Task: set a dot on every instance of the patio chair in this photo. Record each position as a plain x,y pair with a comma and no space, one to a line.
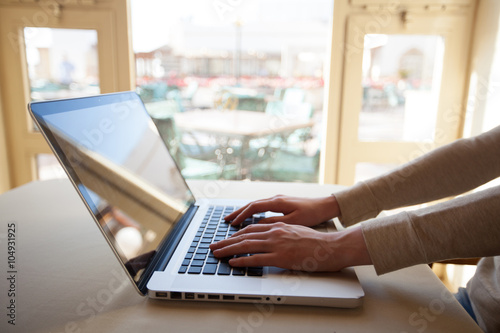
297,111
194,160
188,94
175,96
225,101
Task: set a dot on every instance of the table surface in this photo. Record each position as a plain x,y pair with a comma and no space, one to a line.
68,280
237,123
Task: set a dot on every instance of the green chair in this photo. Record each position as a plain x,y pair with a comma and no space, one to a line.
296,111
194,160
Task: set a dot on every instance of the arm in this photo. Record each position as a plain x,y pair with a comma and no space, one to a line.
465,227
446,171
449,170
468,226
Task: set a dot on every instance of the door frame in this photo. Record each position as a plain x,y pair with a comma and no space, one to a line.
115,59
352,20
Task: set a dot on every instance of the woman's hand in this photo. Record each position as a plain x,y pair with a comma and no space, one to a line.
294,247
303,211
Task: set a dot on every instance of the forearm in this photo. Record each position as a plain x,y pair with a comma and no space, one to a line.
447,171
468,226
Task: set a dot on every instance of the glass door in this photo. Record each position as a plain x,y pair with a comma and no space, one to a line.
52,53
403,90
61,63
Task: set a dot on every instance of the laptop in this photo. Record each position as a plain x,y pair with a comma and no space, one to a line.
121,166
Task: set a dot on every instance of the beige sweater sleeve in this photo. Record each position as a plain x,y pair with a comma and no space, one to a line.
466,226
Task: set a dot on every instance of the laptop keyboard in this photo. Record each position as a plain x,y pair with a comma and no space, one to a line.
200,260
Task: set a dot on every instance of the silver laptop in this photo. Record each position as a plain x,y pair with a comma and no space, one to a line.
119,164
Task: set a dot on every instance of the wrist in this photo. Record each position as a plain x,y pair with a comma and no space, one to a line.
328,208
351,247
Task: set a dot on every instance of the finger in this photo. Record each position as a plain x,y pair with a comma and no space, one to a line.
253,208
291,218
237,212
256,260
222,243
254,231
273,219
252,228
243,247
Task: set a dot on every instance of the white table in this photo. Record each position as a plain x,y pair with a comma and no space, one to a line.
67,279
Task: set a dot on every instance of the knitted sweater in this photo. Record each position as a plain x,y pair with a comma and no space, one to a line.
466,226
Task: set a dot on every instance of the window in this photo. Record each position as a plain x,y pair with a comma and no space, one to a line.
236,88
402,72
62,63
52,51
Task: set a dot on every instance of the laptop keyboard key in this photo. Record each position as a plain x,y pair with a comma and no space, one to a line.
224,268
239,271
194,270
247,222
210,269
199,257
202,251
254,271
197,263
212,260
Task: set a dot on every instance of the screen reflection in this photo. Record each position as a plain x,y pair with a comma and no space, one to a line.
123,171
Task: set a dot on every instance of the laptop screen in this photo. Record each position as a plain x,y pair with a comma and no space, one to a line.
112,151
